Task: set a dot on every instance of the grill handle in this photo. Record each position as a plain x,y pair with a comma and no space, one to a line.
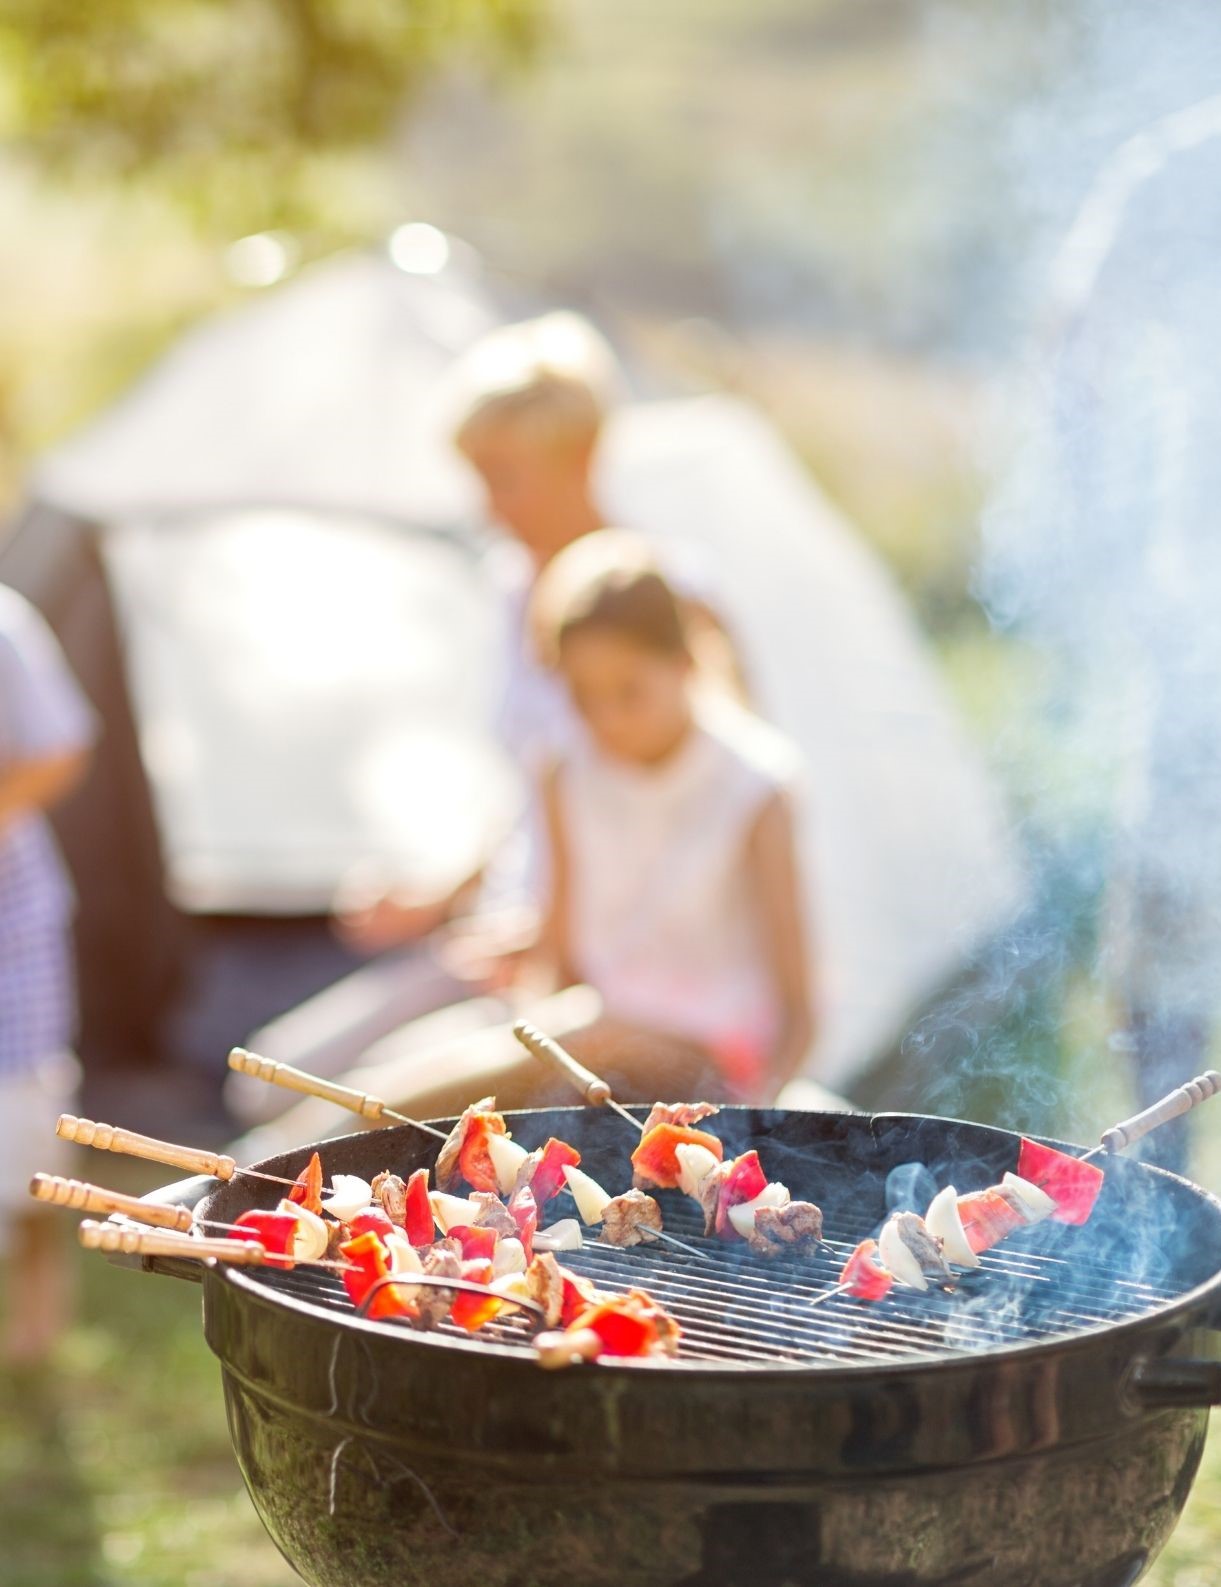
595,1091
1169,1382
1170,1107
184,1195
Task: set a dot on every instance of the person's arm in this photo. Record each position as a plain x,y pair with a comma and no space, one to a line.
36,785
773,863
371,924
555,938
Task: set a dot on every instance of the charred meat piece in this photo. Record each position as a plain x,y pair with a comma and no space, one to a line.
627,1219
545,1282
433,1300
390,1192
493,1214
710,1194
684,1114
795,1227
527,1171
923,1247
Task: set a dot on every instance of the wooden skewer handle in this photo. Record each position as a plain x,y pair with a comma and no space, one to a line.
278,1074
595,1091
59,1192
115,1238
1170,1107
108,1139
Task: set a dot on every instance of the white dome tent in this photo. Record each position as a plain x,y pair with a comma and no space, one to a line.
276,507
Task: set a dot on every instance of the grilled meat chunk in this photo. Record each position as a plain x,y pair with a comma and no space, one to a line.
433,1300
710,1194
626,1219
493,1214
546,1285
795,1227
925,1249
390,1192
681,1113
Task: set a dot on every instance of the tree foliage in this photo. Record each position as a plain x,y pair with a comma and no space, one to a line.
237,95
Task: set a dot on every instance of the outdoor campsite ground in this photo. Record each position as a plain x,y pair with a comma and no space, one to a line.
116,1467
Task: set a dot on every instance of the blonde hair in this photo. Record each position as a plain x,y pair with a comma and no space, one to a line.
555,378
607,580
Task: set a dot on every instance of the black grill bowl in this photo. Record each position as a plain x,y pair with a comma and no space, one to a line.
1041,1428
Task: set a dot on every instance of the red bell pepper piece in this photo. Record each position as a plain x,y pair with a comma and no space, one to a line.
744,1181
523,1209
548,1180
864,1275
477,1244
474,1159
307,1192
579,1296
274,1231
655,1160
1071,1184
629,1325
417,1219
473,1311
368,1260
987,1218
373,1220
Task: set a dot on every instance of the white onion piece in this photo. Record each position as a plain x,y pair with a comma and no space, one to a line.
944,1223
403,1255
895,1255
311,1234
562,1236
512,1287
452,1211
695,1163
1036,1203
507,1157
592,1201
743,1215
508,1257
349,1195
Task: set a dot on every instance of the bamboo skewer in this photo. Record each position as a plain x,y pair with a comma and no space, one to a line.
107,1138
830,1294
1172,1106
115,1239
274,1073
121,1239
82,1197
594,1090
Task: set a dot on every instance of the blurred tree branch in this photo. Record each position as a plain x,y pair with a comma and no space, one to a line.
227,102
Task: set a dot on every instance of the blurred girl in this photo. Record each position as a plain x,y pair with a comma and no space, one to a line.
673,888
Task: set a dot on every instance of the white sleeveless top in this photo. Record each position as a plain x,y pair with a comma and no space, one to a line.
663,918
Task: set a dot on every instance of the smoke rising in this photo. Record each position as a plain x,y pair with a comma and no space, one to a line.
1100,542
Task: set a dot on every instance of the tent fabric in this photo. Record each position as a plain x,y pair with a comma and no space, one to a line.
313,692
323,396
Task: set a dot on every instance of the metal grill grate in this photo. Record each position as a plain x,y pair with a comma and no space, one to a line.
739,1310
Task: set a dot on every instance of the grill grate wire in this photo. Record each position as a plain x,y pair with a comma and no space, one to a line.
739,1310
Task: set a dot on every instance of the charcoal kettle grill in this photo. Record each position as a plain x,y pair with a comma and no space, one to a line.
1039,1427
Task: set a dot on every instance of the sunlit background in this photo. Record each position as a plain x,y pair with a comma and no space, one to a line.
848,212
